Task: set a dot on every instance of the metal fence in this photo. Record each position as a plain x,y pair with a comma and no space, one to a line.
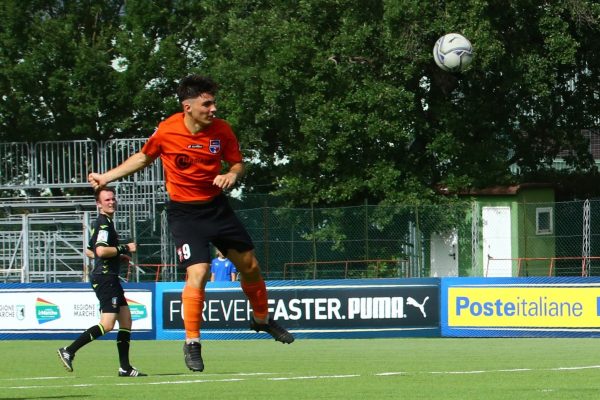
43,236
43,247
66,164
331,243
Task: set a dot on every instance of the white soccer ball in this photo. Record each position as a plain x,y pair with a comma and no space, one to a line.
453,52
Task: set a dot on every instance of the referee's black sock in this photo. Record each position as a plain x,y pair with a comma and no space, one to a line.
92,333
123,338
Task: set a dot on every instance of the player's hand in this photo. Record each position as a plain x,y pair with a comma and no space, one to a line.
225,181
97,180
132,247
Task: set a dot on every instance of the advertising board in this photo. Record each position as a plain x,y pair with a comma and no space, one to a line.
521,307
312,309
52,311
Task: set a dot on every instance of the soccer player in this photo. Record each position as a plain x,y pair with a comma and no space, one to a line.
192,145
222,270
107,253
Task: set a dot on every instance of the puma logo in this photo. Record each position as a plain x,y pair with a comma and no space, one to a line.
412,302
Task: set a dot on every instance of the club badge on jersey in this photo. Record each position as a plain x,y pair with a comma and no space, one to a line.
215,146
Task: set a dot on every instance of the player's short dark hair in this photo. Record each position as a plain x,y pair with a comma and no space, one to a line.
194,85
104,189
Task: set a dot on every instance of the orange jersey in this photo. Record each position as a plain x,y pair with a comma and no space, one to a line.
192,161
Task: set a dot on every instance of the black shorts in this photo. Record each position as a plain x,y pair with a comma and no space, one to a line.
110,292
194,226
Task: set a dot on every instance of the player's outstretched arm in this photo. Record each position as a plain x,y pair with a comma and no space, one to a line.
133,164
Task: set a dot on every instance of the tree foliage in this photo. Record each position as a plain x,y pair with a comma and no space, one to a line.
334,101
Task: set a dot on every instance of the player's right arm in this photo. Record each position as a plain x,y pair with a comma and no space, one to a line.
133,164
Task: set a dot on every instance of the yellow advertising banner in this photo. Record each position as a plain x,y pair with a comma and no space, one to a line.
524,307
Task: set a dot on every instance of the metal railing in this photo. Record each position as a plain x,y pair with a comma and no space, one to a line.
161,272
524,264
66,164
355,268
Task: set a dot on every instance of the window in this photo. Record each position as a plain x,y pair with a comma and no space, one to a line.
543,221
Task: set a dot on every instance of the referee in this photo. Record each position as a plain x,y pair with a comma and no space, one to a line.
104,243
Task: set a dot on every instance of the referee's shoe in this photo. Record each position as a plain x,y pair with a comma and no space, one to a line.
66,357
131,371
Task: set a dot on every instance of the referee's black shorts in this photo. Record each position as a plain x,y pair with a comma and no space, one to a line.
194,226
109,292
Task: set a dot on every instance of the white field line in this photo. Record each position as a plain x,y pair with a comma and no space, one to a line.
41,378
248,376
37,378
112,376
490,371
312,377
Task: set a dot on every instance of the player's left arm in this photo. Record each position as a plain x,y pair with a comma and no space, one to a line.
227,180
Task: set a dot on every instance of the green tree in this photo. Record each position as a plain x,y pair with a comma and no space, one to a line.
55,65
347,93
90,69
335,101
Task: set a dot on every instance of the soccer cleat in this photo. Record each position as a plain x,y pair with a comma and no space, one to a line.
131,371
193,356
67,358
272,328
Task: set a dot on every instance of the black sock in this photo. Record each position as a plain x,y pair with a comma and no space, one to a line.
92,333
123,338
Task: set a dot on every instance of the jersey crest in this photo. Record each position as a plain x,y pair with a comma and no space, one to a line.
215,146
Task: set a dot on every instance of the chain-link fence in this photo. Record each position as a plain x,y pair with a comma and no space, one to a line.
351,242
571,247
371,241
367,241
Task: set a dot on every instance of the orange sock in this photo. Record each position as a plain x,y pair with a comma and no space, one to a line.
193,303
257,294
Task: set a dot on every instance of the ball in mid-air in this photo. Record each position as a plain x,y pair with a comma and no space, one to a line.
453,52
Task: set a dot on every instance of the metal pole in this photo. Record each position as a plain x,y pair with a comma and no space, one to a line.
86,240
366,229
266,225
314,242
25,244
585,251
